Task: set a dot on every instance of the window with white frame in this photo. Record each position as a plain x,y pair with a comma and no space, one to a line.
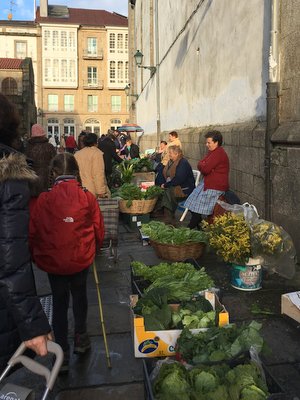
69,126
72,75
55,70
63,39
55,40
46,37
112,42
112,72
52,102
92,125
92,45
20,49
53,127
64,70
69,102
115,103
120,46
120,75
72,40
47,70
115,123
92,75
126,72
92,103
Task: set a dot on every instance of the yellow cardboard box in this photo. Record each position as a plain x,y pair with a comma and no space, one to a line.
162,343
290,305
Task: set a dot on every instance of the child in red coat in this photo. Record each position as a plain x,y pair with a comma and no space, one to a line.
66,223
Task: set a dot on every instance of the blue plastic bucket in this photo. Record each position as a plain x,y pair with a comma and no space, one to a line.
247,277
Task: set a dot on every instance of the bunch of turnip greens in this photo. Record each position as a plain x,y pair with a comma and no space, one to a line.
167,234
183,289
130,192
219,344
176,269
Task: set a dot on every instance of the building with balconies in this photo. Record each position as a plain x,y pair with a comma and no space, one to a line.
80,60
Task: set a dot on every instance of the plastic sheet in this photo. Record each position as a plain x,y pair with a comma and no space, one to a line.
268,241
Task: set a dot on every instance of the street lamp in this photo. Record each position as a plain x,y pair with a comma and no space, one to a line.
139,59
127,91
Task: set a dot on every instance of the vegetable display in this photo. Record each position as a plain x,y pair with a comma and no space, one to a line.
245,382
158,315
182,289
167,234
219,344
129,192
177,270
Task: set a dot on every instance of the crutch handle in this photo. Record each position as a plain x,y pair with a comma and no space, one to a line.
35,366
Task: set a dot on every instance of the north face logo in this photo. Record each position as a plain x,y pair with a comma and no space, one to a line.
68,219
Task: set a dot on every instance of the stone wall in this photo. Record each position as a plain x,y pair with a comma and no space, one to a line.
244,144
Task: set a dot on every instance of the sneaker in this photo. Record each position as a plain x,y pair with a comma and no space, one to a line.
82,343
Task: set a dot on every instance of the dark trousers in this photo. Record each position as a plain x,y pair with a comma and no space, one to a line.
62,286
195,220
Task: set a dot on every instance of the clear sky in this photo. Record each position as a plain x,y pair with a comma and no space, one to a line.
23,9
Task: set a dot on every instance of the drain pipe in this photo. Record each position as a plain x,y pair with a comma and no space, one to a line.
272,104
158,126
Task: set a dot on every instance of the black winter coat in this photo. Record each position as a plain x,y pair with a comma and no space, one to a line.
40,152
108,147
21,314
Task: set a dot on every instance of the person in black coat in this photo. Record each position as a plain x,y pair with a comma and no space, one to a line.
21,315
130,150
108,147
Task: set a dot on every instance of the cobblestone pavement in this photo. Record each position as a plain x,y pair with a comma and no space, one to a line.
89,378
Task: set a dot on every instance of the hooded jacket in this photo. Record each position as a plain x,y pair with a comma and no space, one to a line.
65,224
21,315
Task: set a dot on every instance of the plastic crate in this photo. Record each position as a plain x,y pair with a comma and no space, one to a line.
273,386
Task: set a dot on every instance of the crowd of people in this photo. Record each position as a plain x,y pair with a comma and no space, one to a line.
50,215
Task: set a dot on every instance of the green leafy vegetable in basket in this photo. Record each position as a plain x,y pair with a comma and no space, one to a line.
177,270
130,192
166,234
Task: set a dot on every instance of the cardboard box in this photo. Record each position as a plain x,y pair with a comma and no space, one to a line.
162,343
290,305
135,221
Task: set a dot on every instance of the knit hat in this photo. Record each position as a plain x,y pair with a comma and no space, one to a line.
37,130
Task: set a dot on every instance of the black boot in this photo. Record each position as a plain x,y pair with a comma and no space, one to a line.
195,221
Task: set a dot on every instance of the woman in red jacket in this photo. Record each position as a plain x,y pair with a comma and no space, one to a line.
215,170
66,223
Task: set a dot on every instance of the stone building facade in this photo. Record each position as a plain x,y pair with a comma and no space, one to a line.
17,83
80,59
213,65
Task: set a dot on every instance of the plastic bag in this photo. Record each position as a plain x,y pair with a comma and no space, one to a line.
269,241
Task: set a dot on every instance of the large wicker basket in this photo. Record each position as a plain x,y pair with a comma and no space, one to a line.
178,252
138,206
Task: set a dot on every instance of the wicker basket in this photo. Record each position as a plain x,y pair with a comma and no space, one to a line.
178,252
138,206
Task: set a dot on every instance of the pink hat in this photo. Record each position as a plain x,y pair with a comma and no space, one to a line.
37,130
